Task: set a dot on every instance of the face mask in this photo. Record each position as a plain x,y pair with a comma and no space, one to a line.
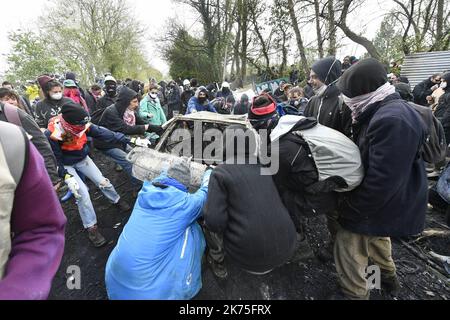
295,103
443,85
57,96
153,96
202,99
111,90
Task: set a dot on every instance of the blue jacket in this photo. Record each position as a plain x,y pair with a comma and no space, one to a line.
70,158
392,199
194,104
158,256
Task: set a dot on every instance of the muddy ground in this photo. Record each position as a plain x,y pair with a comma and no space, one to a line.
421,278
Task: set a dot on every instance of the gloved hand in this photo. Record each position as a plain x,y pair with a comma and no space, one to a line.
139,142
155,129
207,177
73,185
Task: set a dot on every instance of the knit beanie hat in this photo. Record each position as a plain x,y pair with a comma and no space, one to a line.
363,78
328,69
180,170
263,107
43,80
74,114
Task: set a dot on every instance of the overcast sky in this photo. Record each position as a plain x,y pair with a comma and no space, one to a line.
153,14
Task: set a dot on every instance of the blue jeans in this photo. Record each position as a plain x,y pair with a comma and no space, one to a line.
120,157
88,168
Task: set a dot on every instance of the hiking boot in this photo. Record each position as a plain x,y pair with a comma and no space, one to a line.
118,168
96,237
390,284
123,206
219,269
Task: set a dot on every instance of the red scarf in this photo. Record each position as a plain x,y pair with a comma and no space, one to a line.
75,130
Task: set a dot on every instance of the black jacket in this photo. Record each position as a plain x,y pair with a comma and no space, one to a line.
422,91
47,109
245,207
112,119
298,179
185,97
38,139
91,102
333,111
104,102
392,199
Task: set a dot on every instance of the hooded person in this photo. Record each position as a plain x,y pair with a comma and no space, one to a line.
122,117
53,100
227,94
242,106
404,89
199,102
110,96
173,99
443,108
425,89
392,199
327,106
159,253
251,232
68,136
186,95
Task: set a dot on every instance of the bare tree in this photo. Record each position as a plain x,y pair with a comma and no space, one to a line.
298,35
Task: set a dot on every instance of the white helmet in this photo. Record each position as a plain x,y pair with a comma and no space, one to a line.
225,85
186,82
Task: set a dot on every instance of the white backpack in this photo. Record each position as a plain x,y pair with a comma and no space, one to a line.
13,149
334,154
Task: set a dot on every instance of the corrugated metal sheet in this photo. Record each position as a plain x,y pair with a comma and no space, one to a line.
420,66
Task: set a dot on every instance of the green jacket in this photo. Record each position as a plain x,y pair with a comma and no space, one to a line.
149,106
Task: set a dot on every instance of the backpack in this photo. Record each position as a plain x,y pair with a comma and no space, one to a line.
434,149
333,153
11,113
13,153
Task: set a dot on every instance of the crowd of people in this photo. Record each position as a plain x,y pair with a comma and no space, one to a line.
351,144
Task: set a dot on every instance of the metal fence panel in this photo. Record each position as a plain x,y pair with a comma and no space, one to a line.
420,66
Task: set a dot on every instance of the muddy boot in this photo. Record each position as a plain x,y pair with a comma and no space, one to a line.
219,269
123,206
96,237
390,284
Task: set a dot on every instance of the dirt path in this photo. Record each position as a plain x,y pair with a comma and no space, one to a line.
302,281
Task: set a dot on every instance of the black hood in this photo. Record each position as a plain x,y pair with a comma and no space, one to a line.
404,89
124,99
328,70
364,77
446,77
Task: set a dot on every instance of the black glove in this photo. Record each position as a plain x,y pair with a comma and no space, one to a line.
155,129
